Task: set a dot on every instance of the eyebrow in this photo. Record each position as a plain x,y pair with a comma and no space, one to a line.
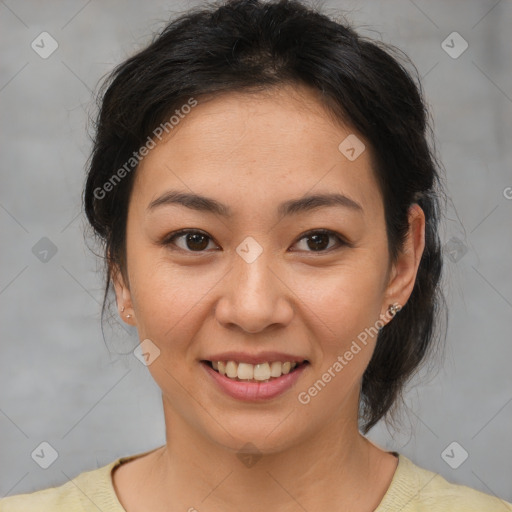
293,206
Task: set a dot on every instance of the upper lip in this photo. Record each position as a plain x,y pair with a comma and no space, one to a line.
261,357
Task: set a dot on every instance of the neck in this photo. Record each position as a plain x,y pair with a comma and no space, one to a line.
331,468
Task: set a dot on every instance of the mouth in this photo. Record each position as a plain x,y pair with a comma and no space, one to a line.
257,373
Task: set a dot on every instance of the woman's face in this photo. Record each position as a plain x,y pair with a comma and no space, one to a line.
259,283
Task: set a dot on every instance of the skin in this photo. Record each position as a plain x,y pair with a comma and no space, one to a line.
252,152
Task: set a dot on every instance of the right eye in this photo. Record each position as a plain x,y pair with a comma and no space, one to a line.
193,240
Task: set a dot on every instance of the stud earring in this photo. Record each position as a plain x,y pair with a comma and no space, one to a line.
393,309
128,316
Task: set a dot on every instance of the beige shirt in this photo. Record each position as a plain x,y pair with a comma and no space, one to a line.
412,489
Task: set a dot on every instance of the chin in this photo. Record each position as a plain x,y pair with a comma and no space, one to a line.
258,432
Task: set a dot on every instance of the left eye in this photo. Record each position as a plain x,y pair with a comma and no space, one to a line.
197,241
319,240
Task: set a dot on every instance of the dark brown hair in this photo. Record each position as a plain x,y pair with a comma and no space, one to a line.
252,45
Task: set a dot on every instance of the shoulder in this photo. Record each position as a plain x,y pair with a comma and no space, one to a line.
414,489
88,491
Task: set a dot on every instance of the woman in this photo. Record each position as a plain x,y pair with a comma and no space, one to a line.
269,204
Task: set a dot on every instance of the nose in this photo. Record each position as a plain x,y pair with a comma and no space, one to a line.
254,297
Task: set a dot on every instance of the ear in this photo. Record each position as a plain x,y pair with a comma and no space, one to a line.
404,270
123,296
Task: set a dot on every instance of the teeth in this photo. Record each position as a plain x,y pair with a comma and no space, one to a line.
275,369
245,371
231,369
261,371
258,372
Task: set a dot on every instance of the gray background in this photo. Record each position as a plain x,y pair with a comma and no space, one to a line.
58,381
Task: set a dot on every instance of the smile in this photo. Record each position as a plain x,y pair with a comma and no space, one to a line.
254,382
253,372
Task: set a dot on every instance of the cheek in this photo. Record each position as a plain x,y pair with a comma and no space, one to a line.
167,299
343,309
345,298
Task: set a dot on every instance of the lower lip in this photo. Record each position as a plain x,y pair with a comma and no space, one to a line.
255,391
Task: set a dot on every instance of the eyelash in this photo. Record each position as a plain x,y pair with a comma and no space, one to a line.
169,240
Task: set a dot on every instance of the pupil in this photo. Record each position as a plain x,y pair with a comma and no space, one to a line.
317,242
194,238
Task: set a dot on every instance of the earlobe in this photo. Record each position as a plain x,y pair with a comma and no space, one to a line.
123,296
405,268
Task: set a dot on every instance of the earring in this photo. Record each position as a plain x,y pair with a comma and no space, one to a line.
128,316
393,309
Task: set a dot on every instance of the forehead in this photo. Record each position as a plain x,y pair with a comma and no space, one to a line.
248,148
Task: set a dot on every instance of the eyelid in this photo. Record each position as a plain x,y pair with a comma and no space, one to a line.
168,239
342,241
